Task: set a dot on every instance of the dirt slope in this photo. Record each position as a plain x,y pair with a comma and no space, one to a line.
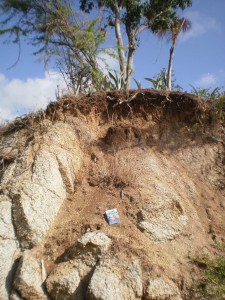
157,157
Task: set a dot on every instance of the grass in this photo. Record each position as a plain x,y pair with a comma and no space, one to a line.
212,286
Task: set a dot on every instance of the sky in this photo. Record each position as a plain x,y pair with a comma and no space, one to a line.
199,60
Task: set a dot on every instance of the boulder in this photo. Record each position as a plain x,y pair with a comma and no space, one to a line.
93,242
9,251
69,279
165,213
105,284
9,247
162,289
64,282
113,279
30,276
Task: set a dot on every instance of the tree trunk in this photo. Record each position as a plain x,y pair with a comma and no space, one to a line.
169,71
120,46
130,62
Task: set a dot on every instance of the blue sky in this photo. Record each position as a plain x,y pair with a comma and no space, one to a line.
199,60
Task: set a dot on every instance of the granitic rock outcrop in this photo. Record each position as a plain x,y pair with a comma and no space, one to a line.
33,187
152,158
39,180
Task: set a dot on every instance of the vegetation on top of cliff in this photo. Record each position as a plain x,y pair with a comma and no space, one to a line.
161,106
76,42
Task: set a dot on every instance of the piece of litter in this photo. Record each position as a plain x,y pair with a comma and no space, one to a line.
112,216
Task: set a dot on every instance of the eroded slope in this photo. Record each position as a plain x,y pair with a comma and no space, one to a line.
159,159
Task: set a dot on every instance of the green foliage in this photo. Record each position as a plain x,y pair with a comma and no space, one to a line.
135,16
57,31
216,96
219,105
112,82
213,284
138,83
175,26
205,93
159,81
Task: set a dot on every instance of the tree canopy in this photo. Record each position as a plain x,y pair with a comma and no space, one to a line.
57,28
135,16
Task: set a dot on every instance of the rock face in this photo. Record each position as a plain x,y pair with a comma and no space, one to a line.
30,277
163,224
39,180
164,215
9,247
34,186
149,158
134,280
69,279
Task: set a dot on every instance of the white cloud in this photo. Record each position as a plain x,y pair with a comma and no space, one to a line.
18,97
108,62
206,80
201,24
23,96
210,80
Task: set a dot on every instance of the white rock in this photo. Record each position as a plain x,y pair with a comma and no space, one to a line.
133,279
39,181
9,247
36,183
30,277
163,224
162,289
64,282
93,242
6,226
105,284
8,253
95,239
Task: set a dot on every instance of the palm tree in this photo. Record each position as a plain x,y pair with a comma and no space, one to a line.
172,32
